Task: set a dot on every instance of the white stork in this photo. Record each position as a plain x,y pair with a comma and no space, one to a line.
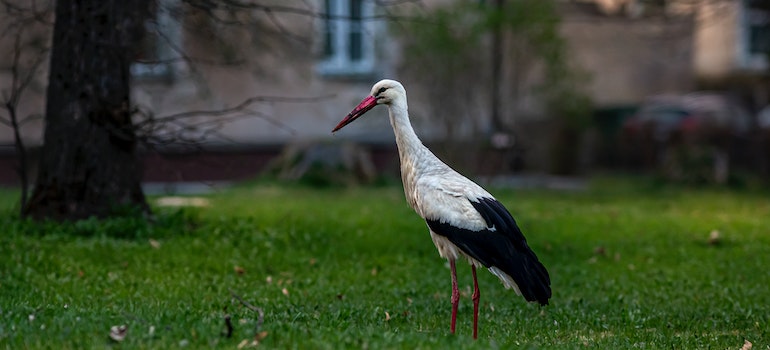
463,218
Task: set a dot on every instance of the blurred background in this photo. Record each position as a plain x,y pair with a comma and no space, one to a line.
225,91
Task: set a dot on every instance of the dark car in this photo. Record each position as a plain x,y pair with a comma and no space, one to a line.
700,118
665,117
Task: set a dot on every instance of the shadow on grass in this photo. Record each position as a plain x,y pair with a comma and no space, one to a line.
165,222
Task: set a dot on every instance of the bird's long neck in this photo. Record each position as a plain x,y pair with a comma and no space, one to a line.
409,145
416,159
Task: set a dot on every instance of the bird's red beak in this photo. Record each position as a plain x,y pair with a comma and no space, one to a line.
363,107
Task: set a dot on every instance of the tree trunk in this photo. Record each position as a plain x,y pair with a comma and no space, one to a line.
89,164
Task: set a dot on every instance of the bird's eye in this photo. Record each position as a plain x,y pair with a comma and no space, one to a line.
381,90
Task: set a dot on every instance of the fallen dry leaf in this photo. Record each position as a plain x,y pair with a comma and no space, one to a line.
260,336
248,343
239,270
387,316
118,333
285,291
747,345
155,244
715,237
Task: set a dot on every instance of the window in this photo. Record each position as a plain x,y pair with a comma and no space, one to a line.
758,26
756,33
156,55
348,42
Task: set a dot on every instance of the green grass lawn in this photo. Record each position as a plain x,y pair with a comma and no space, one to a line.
631,265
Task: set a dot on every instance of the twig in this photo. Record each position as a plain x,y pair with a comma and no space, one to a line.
229,326
252,308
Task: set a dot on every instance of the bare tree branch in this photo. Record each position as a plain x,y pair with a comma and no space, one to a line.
20,80
15,10
240,107
181,130
272,121
283,30
208,6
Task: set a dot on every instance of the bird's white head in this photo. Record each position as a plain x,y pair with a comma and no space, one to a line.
385,92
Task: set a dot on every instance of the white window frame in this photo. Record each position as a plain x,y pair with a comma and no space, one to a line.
339,63
747,59
170,31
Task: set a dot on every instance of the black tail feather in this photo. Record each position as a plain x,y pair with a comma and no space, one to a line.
501,245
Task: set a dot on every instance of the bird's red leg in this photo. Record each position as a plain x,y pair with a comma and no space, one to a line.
455,294
476,296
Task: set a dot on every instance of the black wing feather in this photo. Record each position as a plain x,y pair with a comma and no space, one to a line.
501,245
